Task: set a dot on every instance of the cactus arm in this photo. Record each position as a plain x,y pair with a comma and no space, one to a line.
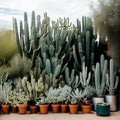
48,66
111,74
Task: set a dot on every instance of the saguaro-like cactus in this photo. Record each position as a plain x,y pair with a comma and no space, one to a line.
112,79
100,77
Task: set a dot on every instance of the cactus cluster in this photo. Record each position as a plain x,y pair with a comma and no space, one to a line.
59,53
29,85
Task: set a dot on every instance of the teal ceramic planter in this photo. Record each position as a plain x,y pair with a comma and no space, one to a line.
103,109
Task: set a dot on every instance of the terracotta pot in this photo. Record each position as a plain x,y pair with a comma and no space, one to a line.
63,108
86,108
14,109
33,109
73,108
44,108
5,108
55,108
22,108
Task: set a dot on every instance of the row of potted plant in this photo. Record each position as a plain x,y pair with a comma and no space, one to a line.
19,101
62,94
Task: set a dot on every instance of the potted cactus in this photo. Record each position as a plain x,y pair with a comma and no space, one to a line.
57,96
12,99
5,88
87,104
100,79
52,95
43,105
73,105
111,85
23,99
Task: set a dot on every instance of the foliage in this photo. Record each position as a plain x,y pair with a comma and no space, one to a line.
17,66
7,45
106,22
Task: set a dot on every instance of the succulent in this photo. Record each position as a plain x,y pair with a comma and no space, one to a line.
88,92
77,94
58,95
73,101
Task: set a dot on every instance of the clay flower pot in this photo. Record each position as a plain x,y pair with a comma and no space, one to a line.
44,108
5,108
63,108
86,108
33,109
55,108
22,108
73,108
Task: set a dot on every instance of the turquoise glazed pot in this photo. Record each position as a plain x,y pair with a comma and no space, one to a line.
103,109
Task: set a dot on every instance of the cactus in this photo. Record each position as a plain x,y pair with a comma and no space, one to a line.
100,76
33,88
112,79
85,76
5,89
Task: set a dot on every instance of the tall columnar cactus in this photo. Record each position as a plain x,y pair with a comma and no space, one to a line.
28,44
100,77
112,79
87,50
83,49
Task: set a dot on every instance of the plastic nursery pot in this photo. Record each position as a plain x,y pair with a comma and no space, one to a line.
63,108
55,108
73,108
103,109
5,108
22,108
44,108
86,108
33,109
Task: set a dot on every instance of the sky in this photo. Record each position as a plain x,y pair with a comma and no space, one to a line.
55,8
